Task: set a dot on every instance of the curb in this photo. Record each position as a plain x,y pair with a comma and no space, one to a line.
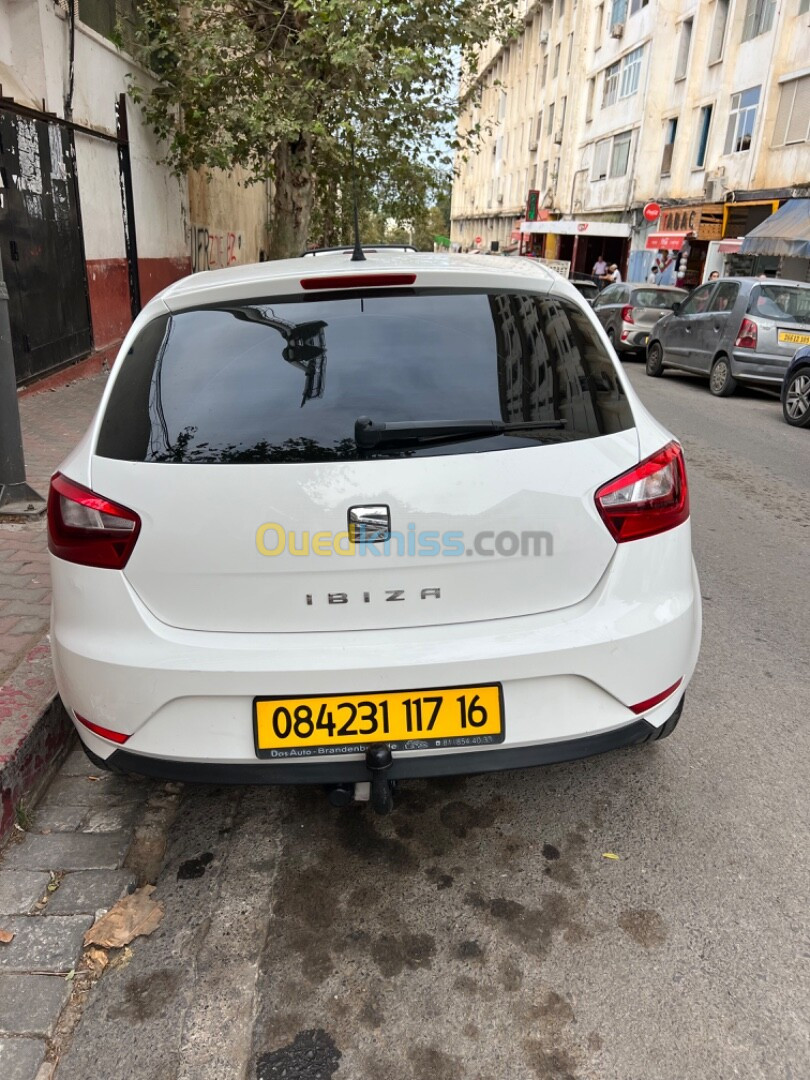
35,733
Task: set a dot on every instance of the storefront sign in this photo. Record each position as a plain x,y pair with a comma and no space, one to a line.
652,211
532,205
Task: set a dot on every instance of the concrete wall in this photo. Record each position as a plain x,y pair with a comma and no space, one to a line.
228,219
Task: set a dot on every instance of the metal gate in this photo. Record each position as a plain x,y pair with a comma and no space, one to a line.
41,245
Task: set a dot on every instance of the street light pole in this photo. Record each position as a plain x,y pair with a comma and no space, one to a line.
17,499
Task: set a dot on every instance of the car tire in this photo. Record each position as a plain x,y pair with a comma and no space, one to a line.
721,382
655,360
796,399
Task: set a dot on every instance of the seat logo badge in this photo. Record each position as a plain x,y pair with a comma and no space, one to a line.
389,596
369,524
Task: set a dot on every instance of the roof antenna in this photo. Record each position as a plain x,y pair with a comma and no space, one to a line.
357,254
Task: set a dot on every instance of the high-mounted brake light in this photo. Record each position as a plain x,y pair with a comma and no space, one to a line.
357,281
747,337
648,499
105,733
627,313
88,529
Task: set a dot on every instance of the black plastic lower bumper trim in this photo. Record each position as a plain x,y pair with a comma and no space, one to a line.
348,772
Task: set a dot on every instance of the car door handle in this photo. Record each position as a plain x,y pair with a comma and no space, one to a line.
717,329
688,329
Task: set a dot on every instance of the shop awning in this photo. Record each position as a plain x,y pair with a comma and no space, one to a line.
573,227
667,241
730,246
787,232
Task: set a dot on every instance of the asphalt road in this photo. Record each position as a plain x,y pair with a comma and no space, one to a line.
479,932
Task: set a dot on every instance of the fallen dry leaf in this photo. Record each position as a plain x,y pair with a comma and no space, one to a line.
6,936
610,855
95,960
133,916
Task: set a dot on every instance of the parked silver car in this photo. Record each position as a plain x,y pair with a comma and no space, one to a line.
734,330
629,312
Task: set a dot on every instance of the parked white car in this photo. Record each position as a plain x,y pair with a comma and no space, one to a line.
350,522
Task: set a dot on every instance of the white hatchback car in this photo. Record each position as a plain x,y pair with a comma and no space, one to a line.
349,522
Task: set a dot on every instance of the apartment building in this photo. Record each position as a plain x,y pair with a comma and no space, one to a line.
602,107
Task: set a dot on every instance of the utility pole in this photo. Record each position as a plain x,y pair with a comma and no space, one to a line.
18,501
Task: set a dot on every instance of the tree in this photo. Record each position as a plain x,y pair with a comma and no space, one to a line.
281,87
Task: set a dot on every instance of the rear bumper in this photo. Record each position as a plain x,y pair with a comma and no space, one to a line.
402,768
768,369
569,677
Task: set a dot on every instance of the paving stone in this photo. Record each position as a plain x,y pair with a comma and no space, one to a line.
106,790
69,851
110,819
20,1059
41,944
77,763
20,890
53,817
88,890
30,1004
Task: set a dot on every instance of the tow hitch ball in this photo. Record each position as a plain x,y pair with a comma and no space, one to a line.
380,791
378,762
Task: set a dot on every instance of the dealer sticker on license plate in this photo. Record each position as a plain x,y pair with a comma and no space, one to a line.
319,725
789,337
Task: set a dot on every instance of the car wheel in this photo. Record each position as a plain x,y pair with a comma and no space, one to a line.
796,399
721,382
611,338
655,360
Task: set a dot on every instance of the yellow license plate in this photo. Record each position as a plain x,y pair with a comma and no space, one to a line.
791,338
318,725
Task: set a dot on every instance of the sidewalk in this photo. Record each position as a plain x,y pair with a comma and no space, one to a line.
53,421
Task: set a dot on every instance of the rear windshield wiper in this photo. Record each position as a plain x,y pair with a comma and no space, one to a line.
369,435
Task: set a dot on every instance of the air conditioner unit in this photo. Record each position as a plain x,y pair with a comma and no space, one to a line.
713,189
617,30
558,136
499,196
533,145
544,37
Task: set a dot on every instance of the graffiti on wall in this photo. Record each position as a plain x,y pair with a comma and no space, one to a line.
212,250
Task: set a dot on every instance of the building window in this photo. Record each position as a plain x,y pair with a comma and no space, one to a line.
741,121
669,145
570,52
718,31
539,126
631,71
544,185
601,158
637,5
556,61
610,93
550,127
804,6
502,105
683,49
704,124
620,156
589,100
758,18
600,19
544,79
618,12
793,115
562,8
104,16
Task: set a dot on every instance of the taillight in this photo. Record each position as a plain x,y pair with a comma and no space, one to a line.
88,529
648,499
747,337
627,314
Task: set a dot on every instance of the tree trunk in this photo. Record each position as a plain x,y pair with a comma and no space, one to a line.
292,202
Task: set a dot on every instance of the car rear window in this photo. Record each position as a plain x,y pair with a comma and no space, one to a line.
787,303
657,298
284,380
